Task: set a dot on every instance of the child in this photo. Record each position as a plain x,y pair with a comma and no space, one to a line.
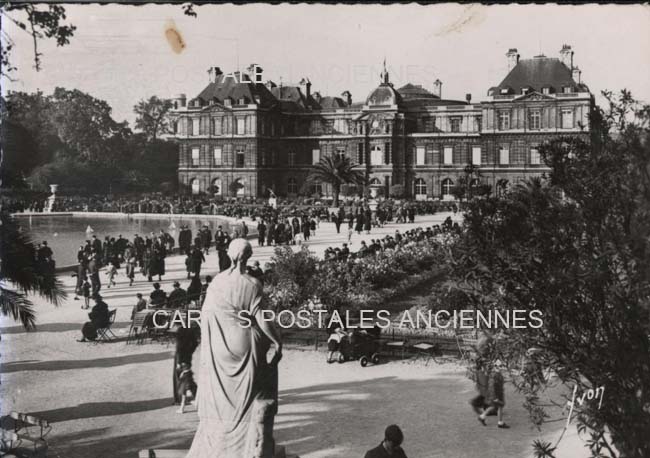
86,292
186,385
112,272
495,397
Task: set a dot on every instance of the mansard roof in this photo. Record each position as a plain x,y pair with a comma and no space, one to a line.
415,91
226,86
537,73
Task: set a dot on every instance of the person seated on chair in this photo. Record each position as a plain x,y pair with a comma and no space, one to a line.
99,318
390,447
158,297
139,306
178,297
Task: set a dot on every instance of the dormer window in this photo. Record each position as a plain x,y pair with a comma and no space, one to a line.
242,101
505,91
546,90
227,102
567,90
525,90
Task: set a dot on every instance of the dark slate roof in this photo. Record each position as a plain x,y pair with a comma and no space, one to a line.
224,87
413,91
332,103
536,73
384,94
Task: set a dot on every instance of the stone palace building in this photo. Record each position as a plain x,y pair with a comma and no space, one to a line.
247,137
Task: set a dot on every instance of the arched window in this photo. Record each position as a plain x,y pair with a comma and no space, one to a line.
216,186
420,188
240,187
445,187
375,182
196,186
292,186
376,155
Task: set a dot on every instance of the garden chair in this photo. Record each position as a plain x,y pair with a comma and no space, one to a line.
24,425
106,334
139,327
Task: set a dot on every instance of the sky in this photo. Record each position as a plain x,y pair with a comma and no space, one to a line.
122,53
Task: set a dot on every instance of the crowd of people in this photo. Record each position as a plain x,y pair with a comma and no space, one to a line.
392,242
201,205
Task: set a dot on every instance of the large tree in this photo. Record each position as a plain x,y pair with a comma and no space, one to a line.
336,171
153,116
577,248
39,21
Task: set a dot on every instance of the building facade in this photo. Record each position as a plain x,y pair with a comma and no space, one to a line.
247,138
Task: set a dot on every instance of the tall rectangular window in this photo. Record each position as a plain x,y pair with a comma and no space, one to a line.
534,119
240,157
504,155
448,155
504,120
360,154
341,126
387,158
195,156
476,155
478,123
315,156
430,124
419,155
428,158
376,155
218,158
535,158
567,119
241,126
455,123
291,158
195,126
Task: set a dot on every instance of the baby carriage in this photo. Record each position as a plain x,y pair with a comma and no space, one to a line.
362,345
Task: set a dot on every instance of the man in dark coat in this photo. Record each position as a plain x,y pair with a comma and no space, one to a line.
261,233
185,240
178,297
390,447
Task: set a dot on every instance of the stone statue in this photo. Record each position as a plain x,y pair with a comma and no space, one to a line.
237,378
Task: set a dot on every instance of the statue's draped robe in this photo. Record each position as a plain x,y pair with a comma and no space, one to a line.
233,372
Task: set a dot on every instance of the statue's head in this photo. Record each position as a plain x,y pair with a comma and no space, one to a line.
240,251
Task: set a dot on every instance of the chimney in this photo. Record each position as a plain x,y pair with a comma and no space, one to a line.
575,74
254,73
213,73
437,88
317,97
468,97
348,97
180,101
513,58
566,56
306,85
